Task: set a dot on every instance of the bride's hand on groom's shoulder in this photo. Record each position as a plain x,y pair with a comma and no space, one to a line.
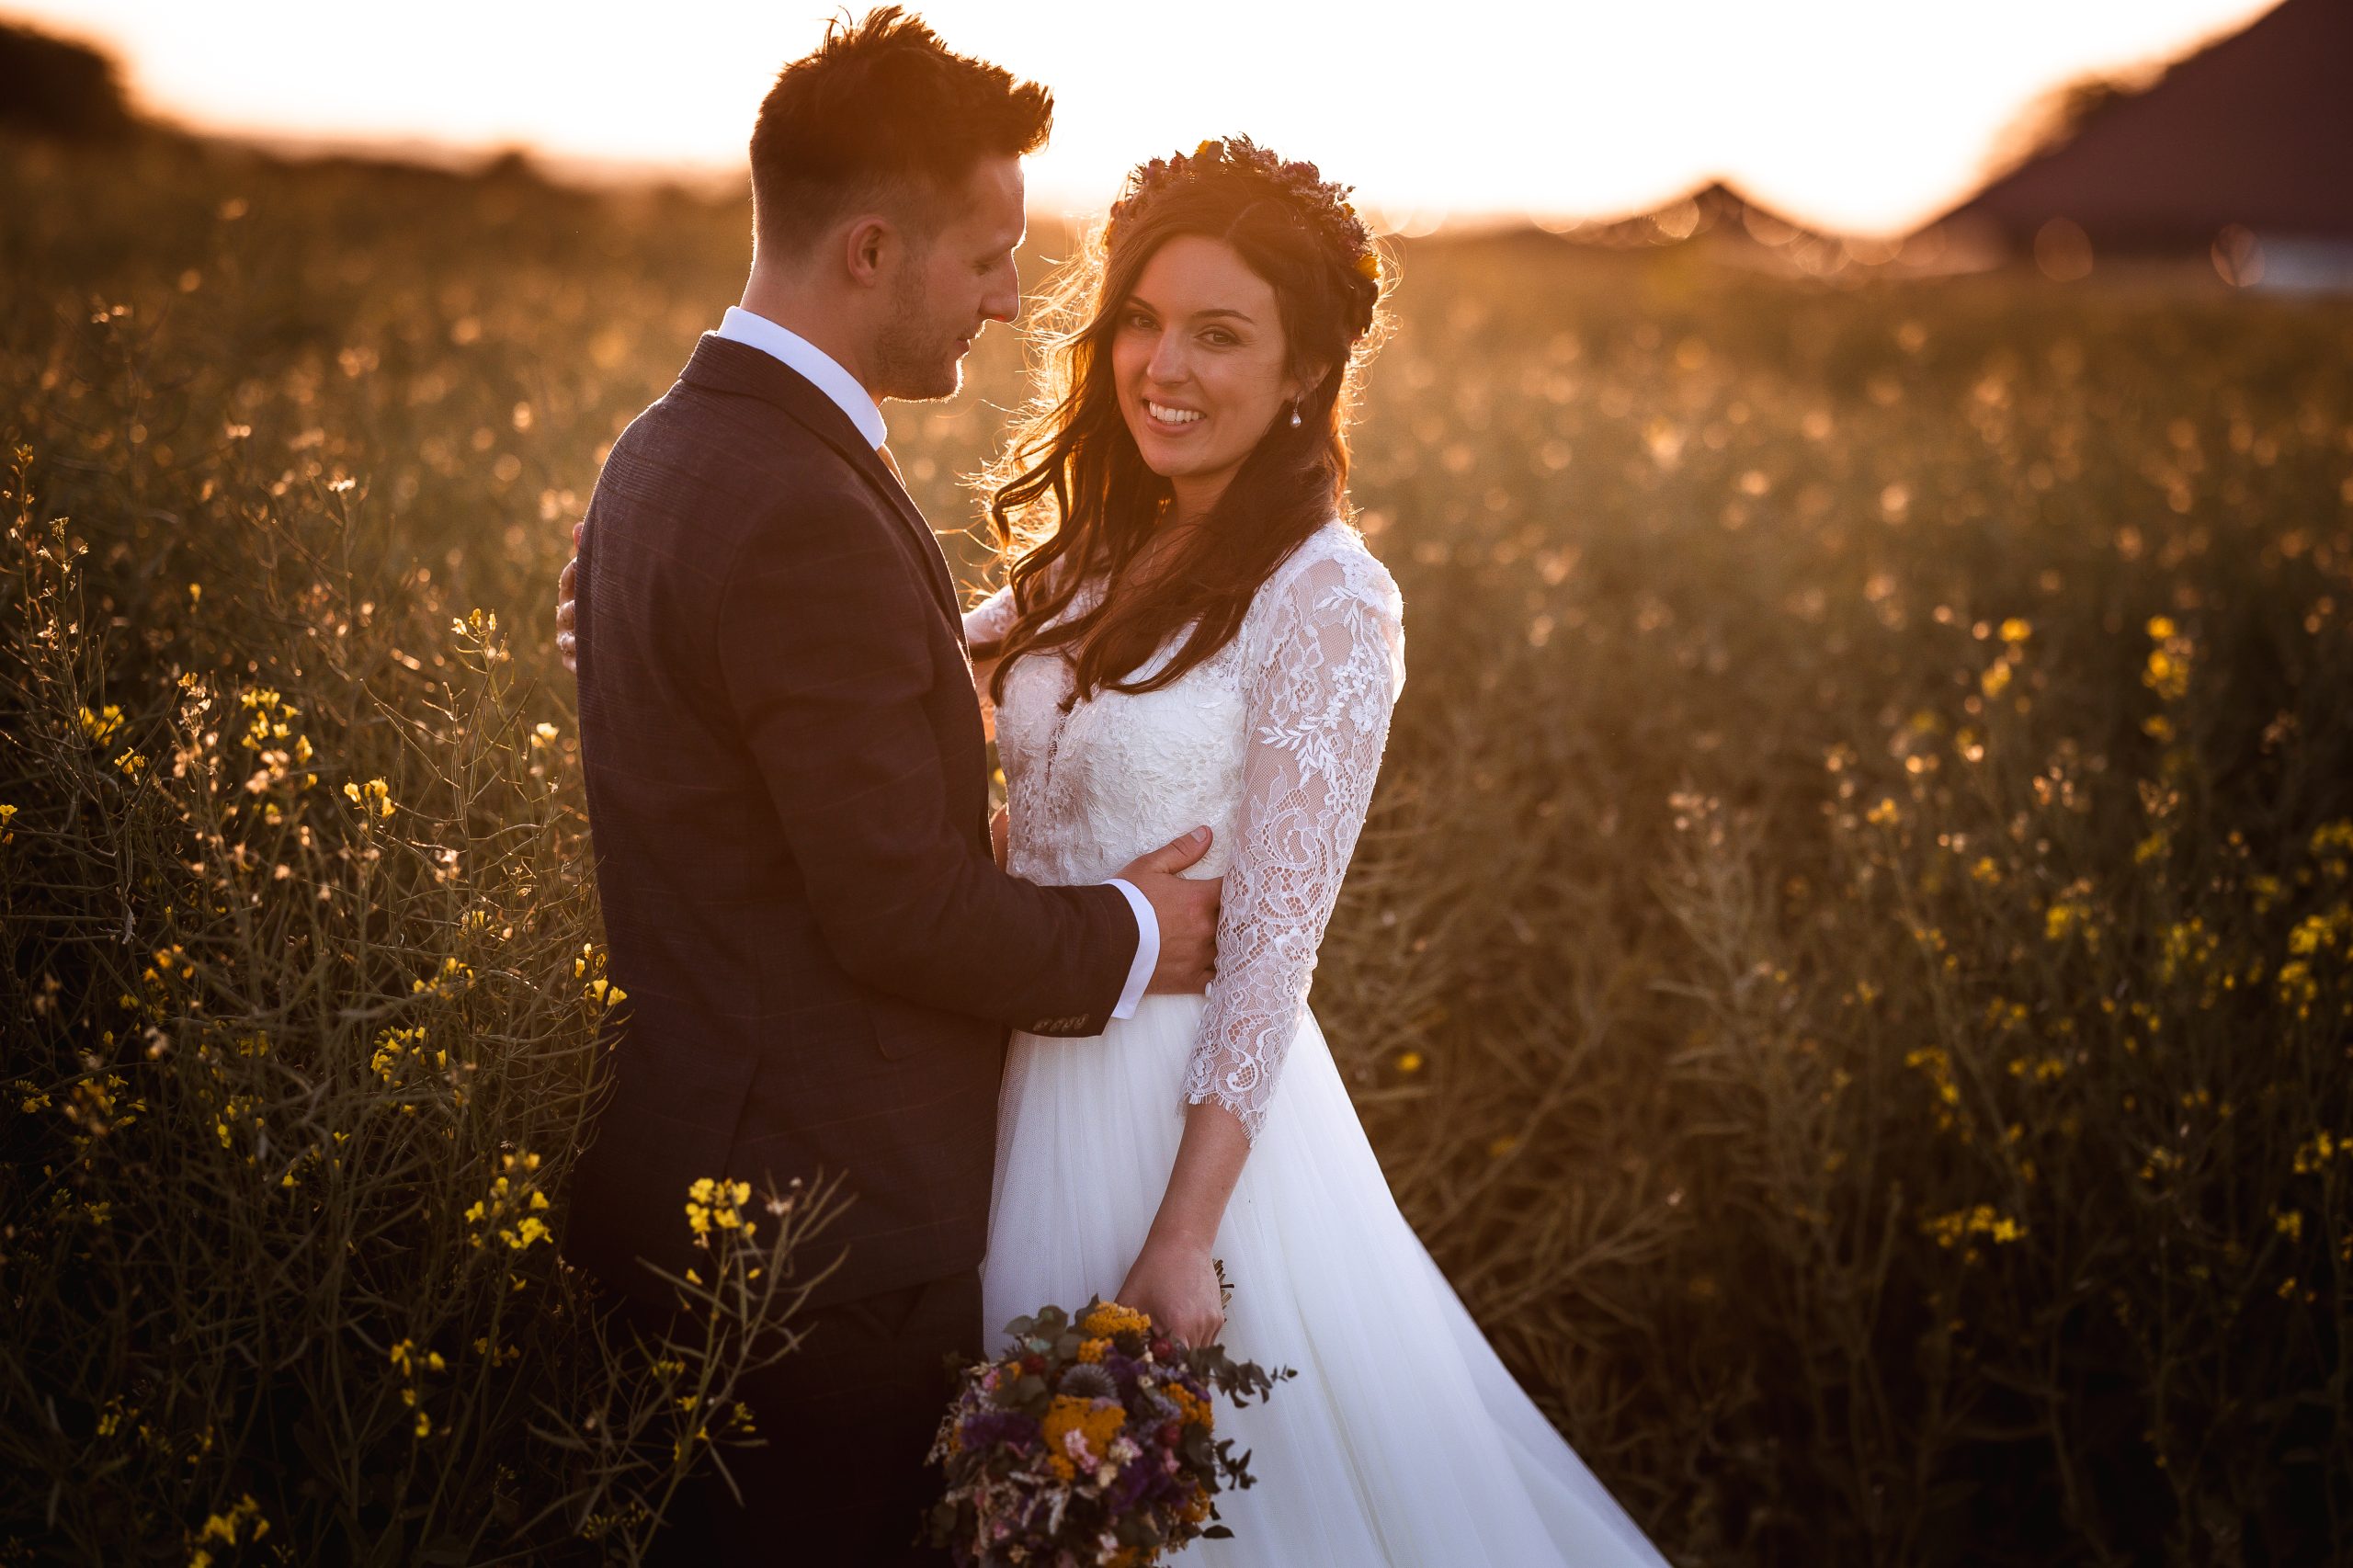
1176,1284
567,591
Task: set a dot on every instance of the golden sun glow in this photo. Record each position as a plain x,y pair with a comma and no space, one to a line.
1854,114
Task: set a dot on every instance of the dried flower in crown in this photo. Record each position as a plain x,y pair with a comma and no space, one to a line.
1320,204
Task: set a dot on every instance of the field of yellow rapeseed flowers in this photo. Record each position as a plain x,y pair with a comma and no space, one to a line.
1851,969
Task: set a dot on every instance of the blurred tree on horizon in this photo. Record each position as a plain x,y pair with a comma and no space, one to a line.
55,87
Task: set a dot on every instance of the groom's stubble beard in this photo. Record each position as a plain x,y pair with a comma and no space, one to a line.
916,355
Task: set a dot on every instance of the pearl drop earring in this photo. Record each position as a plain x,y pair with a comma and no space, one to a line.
1294,416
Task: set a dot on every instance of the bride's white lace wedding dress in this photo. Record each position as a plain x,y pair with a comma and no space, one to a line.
1403,1440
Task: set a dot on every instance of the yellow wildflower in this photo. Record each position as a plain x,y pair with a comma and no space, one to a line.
532,1229
231,1527
714,1202
2064,917
1984,1219
2167,673
375,795
2315,933
101,725
391,1047
2332,846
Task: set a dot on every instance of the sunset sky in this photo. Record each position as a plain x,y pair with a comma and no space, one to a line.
1865,115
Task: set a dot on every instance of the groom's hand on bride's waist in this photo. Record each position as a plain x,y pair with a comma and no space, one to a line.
567,607
1186,908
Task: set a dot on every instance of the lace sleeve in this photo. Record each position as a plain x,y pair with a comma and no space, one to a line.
991,618
1329,661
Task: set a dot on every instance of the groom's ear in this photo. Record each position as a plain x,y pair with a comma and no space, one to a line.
868,244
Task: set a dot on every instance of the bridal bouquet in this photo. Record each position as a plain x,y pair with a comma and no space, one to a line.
1090,1443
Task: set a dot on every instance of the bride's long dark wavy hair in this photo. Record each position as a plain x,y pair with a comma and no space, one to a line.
1071,497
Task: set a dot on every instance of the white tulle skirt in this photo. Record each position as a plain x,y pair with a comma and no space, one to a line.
1403,1440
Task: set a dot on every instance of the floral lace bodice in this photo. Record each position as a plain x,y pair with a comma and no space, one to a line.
1273,741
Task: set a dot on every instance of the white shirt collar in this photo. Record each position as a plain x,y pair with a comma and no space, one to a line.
755,331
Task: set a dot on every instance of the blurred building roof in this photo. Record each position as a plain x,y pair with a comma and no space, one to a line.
1724,226
1714,209
2255,131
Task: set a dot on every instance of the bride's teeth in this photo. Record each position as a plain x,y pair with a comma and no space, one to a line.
1172,415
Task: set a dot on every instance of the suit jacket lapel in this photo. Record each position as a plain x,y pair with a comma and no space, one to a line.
734,367
870,463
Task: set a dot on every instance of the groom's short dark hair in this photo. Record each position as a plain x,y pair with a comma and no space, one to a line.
879,112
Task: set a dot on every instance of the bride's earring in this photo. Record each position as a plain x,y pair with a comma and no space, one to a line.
1294,414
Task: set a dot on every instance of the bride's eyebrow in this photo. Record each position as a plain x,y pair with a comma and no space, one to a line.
1138,302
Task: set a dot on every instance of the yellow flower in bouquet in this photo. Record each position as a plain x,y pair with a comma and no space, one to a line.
1195,1410
1111,1319
1093,1423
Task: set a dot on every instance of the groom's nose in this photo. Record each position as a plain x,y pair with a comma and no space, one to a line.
1002,301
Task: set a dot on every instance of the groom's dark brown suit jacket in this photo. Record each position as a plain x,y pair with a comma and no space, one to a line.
788,800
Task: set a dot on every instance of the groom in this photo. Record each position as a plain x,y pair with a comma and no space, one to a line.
788,801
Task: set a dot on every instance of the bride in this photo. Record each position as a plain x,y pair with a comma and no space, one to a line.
1192,632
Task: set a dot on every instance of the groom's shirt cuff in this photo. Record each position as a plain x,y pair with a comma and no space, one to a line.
1147,951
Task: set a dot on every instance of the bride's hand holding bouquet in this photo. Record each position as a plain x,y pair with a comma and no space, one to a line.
1178,1287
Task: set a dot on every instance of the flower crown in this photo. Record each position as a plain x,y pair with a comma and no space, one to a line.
1320,204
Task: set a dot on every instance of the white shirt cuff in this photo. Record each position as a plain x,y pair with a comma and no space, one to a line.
1147,951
